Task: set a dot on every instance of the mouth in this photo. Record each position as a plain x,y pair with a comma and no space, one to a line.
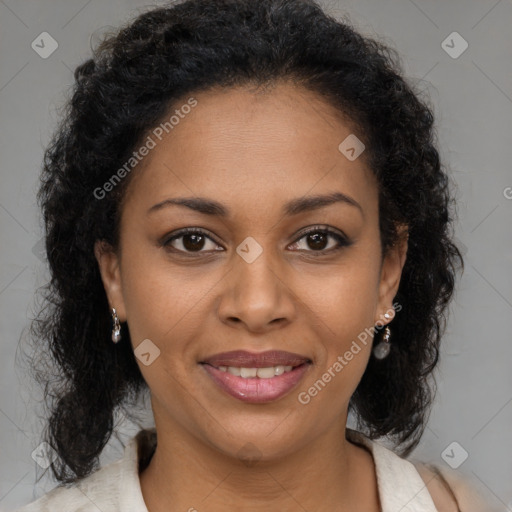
256,378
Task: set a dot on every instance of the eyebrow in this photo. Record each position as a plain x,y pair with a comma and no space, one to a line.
293,207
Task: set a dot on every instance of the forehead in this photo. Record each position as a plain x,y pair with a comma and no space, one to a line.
251,145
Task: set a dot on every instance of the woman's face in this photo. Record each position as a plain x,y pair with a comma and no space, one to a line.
251,280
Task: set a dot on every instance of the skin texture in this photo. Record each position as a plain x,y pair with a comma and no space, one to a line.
252,151
439,489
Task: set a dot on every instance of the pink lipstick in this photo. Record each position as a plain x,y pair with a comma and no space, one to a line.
256,378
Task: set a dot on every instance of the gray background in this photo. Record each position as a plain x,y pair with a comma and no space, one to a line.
472,97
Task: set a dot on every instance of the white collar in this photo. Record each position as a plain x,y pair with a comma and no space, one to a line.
400,485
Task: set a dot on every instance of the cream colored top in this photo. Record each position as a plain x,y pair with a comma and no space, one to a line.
116,486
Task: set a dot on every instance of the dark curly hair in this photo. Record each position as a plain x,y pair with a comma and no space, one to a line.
128,87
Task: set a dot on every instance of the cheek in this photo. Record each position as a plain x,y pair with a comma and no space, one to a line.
345,298
347,340
160,298
345,336
346,304
326,394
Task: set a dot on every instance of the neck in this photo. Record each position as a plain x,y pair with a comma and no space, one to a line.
187,474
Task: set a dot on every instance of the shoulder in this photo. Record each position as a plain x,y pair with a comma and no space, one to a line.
455,491
99,490
59,498
438,488
112,488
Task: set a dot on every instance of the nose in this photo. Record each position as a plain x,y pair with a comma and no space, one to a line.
257,295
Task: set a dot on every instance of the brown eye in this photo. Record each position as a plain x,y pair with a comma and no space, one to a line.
190,240
317,240
194,240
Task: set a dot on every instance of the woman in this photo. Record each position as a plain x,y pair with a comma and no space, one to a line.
247,216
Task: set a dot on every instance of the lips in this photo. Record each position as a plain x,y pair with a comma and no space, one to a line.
290,369
244,359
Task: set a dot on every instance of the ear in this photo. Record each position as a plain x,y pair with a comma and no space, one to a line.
108,262
391,272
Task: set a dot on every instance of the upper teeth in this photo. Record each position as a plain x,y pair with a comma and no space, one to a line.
262,373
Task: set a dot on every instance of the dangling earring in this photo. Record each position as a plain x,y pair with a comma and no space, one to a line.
116,330
382,349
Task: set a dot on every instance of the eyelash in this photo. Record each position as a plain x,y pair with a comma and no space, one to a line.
341,239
